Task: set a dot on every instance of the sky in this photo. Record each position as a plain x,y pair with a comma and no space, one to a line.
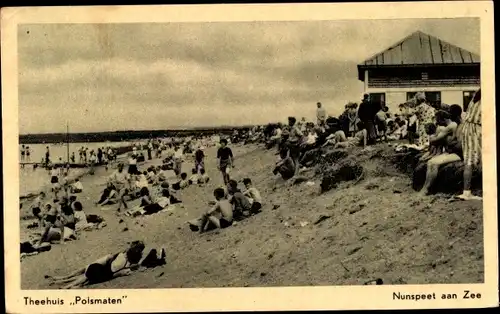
108,77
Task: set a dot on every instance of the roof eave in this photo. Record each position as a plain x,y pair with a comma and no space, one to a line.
426,65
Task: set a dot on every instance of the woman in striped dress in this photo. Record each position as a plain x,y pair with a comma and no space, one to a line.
470,135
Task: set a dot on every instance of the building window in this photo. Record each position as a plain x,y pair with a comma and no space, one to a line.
467,97
433,98
410,95
378,98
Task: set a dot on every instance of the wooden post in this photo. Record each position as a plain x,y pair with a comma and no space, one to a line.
366,81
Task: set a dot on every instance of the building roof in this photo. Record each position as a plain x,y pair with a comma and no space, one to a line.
421,49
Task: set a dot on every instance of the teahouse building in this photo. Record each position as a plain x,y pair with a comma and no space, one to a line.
420,62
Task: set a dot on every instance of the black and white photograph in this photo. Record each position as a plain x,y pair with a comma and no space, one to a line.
258,153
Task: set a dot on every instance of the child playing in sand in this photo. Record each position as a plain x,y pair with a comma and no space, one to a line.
76,187
193,179
254,196
113,266
226,160
241,204
219,216
203,178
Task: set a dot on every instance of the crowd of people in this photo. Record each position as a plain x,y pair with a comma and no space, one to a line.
442,133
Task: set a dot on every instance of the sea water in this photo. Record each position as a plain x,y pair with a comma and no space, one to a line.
33,180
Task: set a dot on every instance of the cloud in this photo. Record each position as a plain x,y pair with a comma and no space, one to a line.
122,76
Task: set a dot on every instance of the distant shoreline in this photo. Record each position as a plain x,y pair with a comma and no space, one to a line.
119,136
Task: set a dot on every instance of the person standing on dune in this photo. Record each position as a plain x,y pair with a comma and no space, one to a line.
226,161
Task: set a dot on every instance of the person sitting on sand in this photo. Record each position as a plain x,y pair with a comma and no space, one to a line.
359,139
81,222
285,166
203,178
253,195
400,130
162,174
109,195
193,179
183,183
76,187
447,135
435,148
112,266
151,176
67,219
52,228
241,204
141,181
219,216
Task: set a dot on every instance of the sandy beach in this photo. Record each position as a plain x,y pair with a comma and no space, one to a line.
377,227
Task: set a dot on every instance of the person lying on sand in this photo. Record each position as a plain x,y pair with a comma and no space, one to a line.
253,195
219,216
149,204
112,266
360,138
29,248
